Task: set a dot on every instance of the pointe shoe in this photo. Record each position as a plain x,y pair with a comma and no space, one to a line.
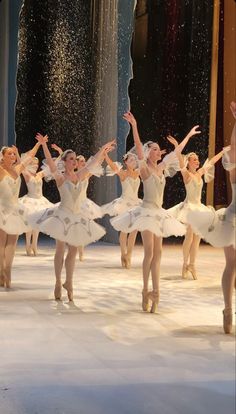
81,257
57,291
127,261
2,281
28,251
8,283
184,271
227,321
34,250
69,291
123,260
154,297
145,300
192,270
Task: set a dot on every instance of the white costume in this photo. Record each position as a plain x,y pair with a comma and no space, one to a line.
66,221
217,227
150,215
127,200
13,215
34,199
88,208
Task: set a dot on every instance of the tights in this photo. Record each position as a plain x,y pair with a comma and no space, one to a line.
7,251
69,263
127,242
32,241
152,260
190,246
228,277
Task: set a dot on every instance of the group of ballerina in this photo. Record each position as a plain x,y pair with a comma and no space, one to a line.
71,222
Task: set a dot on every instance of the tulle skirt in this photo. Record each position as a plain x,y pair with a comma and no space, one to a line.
91,210
35,204
181,210
215,227
156,220
63,225
119,206
14,219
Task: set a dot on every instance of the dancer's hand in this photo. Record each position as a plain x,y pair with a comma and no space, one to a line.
194,131
128,116
109,146
57,148
163,152
41,139
172,140
233,108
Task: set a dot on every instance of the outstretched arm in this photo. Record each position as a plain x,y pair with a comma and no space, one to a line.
96,160
30,154
128,116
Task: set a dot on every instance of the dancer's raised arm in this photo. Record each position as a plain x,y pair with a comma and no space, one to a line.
96,160
30,154
128,116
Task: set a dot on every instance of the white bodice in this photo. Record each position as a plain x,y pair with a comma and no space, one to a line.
84,187
130,188
194,191
153,189
72,196
35,187
9,190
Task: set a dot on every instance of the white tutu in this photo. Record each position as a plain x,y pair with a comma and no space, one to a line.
35,204
63,225
155,220
120,205
91,210
13,216
14,219
181,210
215,227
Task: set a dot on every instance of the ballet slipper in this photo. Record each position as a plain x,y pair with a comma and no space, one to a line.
192,270
145,300
2,280
57,291
8,282
154,297
123,260
34,250
227,321
28,251
184,271
127,261
81,257
69,291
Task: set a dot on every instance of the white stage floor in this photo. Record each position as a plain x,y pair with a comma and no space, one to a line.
102,354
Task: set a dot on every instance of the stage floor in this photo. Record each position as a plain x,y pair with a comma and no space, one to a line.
102,354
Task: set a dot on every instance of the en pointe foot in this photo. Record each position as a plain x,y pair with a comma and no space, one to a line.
192,270
69,291
154,297
57,291
127,261
123,260
184,271
145,300
227,321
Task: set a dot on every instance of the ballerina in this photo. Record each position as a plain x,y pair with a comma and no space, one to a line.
130,182
65,222
13,216
33,200
150,218
90,209
218,229
192,177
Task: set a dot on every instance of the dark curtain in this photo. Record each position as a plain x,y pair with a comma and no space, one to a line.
170,91
54,78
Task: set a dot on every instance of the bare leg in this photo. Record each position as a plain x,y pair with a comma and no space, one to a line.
35,236
28,236
155,271
193,255
228,283
186,250
130,245
70,265
58,265
123,247
148,245
9,256
3,241
81,253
